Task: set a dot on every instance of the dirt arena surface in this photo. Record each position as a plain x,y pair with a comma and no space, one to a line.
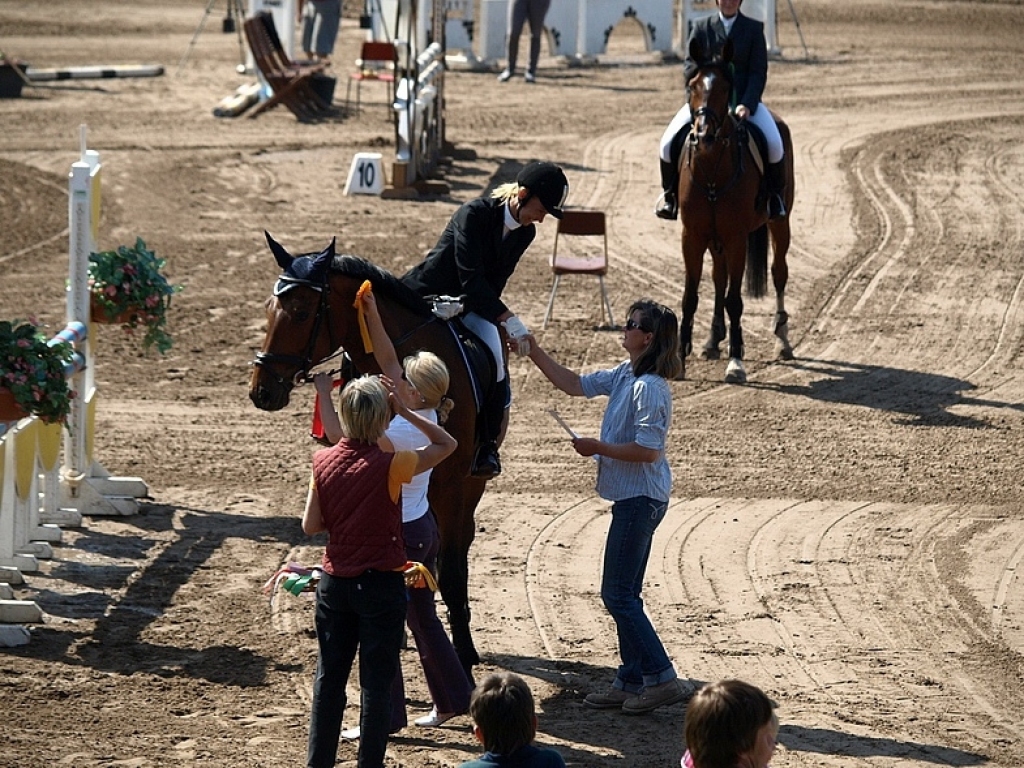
845,531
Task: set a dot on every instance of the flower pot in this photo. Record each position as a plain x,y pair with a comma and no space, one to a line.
9,408
100,314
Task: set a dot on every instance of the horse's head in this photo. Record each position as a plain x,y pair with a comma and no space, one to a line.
710,91
296,314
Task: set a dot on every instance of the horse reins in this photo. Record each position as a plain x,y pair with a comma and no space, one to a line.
711,191
306,363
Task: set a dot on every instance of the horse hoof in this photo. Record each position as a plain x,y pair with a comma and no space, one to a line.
786,352
735,373
711,353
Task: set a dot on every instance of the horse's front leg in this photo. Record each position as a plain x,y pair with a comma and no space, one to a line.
716,334
780,276
693,262
735,373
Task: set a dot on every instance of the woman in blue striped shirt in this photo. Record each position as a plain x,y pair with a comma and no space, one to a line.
633,474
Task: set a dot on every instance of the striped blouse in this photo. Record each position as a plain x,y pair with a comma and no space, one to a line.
639,411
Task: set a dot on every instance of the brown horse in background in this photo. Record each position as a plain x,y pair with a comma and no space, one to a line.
723,208
310,317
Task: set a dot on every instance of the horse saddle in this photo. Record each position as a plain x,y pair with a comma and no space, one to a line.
477,357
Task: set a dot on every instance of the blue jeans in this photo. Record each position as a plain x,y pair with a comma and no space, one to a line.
644,660
365,612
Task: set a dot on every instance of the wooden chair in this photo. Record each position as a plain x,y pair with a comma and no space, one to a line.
376,62
292,83
589,227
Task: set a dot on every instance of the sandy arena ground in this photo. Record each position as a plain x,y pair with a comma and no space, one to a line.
845,530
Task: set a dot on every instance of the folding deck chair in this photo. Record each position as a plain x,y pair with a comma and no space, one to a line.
292,84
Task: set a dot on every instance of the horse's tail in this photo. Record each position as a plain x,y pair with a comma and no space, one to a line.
757,262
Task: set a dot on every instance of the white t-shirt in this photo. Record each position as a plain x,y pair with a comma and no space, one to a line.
405,437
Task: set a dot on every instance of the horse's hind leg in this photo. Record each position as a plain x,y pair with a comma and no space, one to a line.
780,276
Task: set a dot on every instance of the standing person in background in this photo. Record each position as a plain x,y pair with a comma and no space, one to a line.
633,474
519,12
355,497
475,257
750,74
421,382
730,724
320,22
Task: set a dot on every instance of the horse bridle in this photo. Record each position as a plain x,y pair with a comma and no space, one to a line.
305,363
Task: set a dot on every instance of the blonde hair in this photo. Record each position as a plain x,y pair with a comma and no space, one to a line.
429,375
506,192
364,409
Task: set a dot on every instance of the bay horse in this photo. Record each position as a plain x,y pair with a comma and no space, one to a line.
723,208
310,317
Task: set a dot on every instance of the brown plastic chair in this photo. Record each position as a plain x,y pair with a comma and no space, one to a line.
594,258
376,62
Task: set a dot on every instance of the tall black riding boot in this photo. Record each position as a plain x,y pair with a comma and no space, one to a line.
776,190
486,462
668,208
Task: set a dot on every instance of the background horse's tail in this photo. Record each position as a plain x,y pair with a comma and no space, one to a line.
757,262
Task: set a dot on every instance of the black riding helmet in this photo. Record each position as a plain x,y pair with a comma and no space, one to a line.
547,182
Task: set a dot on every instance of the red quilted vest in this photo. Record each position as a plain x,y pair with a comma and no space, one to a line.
364,526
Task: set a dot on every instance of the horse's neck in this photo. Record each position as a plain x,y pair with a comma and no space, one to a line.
344,319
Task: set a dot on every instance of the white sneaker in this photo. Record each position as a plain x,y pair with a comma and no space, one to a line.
505,76
434,719
350,734
530,77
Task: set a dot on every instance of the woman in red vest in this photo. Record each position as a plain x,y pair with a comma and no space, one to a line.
355,497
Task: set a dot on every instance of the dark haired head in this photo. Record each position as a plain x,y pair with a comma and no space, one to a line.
723,720
502,708
662,355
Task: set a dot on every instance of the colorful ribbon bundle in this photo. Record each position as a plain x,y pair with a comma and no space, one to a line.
293,578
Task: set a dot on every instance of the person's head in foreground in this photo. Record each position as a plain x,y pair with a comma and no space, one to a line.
365,409
503,715
731,724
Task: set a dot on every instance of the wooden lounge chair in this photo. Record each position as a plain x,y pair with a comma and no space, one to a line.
292,84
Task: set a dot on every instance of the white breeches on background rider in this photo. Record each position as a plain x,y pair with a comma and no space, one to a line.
489,335
761,118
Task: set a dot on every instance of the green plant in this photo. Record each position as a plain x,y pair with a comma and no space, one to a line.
33,369
127,283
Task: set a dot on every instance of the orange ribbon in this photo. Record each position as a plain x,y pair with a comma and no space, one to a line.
364,331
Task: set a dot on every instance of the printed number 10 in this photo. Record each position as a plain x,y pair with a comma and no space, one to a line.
367,175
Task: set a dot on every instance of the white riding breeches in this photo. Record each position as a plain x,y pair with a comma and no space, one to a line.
761,118
488,333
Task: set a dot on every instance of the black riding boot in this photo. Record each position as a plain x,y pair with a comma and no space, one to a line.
776,190
486,462
668,208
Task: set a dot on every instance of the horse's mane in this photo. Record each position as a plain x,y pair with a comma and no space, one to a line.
383,281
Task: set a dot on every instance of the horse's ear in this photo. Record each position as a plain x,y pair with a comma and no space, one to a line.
284,259
696,51
727,51
322,263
